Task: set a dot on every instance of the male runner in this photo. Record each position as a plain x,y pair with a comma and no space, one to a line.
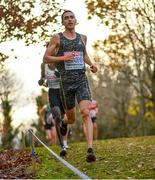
68,51
49,73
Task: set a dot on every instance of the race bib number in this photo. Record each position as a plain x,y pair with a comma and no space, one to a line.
76,63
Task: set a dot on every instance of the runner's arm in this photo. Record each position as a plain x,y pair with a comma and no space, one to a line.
86,57
42,70
42,78
49,56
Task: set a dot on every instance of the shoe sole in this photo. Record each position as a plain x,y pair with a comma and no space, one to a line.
90,158
63,153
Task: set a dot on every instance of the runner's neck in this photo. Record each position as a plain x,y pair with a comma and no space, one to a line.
70,34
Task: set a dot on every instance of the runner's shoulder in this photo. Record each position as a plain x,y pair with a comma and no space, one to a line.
56,35
84,38
83,35
55,38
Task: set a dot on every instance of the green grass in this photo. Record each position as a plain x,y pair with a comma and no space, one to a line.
116,159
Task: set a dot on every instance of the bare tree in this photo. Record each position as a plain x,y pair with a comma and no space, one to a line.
9,96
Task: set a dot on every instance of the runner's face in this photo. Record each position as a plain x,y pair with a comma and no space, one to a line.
69,20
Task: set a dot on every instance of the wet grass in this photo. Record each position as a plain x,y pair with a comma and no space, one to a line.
122,158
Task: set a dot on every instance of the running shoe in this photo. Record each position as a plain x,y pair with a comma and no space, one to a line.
63,152
66,146
63,127
90,155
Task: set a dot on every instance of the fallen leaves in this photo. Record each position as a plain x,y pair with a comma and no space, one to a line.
13,164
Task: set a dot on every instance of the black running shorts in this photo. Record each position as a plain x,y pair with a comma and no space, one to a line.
75,88
55,99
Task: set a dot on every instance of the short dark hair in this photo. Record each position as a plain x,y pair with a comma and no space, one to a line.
66,11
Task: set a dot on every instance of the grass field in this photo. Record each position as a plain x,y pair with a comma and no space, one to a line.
124,158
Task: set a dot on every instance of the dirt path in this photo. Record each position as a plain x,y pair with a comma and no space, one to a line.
14,163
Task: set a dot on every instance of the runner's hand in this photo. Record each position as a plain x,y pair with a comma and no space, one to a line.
93,68
69,56
41,82
45,84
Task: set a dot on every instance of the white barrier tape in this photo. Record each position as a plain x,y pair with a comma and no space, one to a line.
75,170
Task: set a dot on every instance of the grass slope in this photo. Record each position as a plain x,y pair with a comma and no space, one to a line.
116,159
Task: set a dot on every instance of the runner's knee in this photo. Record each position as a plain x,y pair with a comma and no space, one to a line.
71,121
84,112
70,117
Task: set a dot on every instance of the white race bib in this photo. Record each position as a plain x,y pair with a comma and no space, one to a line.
76,63
54,84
